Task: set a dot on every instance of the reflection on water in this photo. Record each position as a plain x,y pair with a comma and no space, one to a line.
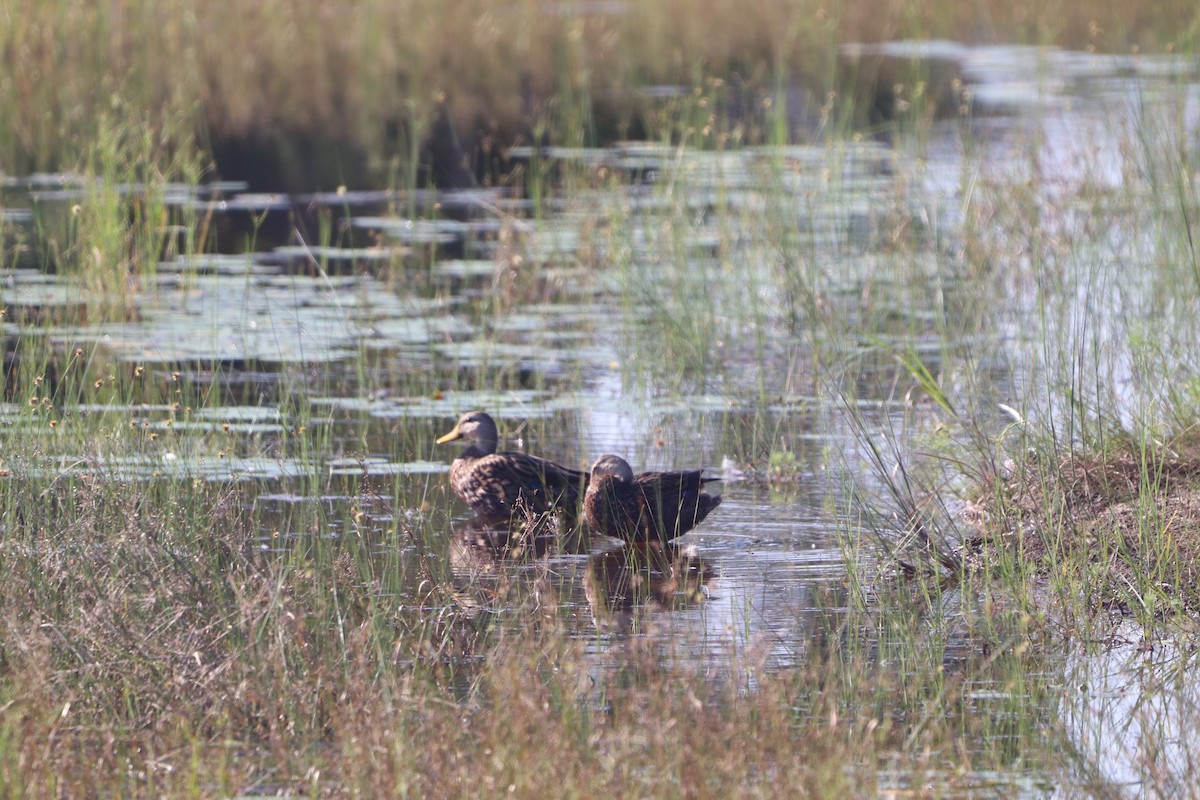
1130,710
625,583
665,318
480,545
618,581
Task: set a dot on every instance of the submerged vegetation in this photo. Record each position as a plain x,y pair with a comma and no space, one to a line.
948,378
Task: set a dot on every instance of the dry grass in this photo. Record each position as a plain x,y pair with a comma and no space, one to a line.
148,649
1129,520
372,80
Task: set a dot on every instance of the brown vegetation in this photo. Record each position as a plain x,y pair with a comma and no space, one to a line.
1129,520
138,658
353,91
150,652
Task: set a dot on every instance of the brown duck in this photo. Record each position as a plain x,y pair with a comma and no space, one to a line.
501,486
651,507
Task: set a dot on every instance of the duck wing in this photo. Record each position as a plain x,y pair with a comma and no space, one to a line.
674,501
495,485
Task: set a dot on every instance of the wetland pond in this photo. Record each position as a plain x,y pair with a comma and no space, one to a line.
736,310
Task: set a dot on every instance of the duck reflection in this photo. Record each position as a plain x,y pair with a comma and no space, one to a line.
488,559
483,545
487,556
652,575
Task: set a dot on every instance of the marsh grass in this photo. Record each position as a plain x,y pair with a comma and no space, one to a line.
164,634
1082,525
397,78
1083,521
159,653
162,649
121,226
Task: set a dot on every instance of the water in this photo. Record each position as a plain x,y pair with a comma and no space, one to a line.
711,309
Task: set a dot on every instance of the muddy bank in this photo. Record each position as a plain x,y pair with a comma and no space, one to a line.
1128,525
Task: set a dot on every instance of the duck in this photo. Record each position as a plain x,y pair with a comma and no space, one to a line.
504,486
653,507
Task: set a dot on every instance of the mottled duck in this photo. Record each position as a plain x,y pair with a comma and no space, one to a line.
650,507
508,485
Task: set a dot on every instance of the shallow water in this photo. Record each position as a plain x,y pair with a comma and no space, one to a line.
658,317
